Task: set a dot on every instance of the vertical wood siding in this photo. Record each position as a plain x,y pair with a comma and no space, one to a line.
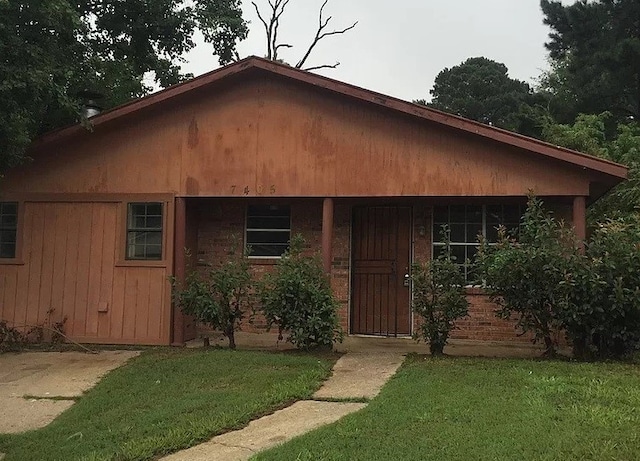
267,137
70,267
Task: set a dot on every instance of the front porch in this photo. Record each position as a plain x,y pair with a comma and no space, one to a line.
367,247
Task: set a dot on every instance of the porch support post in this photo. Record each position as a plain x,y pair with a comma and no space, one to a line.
580,219
327,234
179,266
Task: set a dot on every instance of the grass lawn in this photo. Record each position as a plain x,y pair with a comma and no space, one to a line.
483,409
168,399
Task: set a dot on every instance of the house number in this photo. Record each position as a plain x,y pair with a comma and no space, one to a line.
260,190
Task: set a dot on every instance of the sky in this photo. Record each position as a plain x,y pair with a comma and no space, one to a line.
398,47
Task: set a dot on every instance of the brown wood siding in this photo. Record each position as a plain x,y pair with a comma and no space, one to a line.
70,266
265,137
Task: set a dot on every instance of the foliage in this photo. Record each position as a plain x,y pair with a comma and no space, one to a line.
481,89
603,317
220,298
11,339
15,338
596,46
52,50
437,409
526,276
601,135
298,299
168,399
438,297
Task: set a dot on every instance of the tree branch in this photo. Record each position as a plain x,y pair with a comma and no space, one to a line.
324,66
320,34
266,28
271,27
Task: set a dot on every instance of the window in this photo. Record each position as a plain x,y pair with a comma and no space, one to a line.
465,223
144,231
268,230
8,229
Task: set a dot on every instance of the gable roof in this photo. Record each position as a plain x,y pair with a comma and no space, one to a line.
615,171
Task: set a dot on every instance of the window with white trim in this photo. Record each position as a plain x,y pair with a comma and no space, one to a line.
8,229
465,223
268,230
144,231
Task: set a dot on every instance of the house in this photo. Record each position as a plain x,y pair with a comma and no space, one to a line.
95,225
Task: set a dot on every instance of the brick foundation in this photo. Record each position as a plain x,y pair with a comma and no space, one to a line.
221,228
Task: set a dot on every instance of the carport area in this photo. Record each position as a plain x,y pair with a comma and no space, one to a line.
35,387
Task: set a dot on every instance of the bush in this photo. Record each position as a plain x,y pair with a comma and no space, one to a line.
220,298
298,299
530,277
439,298
603,318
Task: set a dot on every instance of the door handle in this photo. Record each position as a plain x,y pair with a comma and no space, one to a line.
407,280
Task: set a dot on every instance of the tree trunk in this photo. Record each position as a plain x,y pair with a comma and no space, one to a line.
230,333
436,348
550,347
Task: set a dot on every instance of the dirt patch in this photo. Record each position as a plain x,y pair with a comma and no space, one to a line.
48,375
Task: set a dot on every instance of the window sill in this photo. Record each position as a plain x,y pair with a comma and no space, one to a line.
11,262
141,263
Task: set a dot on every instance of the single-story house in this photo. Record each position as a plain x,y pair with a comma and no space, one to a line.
93,227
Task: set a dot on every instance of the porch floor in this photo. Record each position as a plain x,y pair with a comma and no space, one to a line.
269,341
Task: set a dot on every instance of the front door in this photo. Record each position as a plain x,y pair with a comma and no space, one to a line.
381,258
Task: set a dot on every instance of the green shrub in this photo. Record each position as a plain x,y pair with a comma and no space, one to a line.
528,277
603,318
221,298
298,299
438,297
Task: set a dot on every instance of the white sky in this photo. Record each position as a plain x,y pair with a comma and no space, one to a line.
398,47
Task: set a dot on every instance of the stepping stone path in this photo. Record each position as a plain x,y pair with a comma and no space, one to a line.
355,376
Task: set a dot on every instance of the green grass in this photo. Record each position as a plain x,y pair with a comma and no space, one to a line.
483,409
169,399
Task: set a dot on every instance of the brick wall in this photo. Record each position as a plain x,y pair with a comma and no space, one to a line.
221,228
481,324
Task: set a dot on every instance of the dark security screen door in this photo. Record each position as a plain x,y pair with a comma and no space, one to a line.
381,258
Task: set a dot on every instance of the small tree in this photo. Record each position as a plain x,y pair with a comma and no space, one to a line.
528,276
297,297
438,297
220,298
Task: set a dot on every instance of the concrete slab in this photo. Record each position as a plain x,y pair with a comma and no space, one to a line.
48,374
360,375
268,432
455,347
374,344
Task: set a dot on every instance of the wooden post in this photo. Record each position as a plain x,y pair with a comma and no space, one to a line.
580,219
179,266
327,234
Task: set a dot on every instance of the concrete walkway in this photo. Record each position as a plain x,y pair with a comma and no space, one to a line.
51,381
355,376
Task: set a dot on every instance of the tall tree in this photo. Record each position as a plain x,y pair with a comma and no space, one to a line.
596,44
590,134
481,89
52,50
